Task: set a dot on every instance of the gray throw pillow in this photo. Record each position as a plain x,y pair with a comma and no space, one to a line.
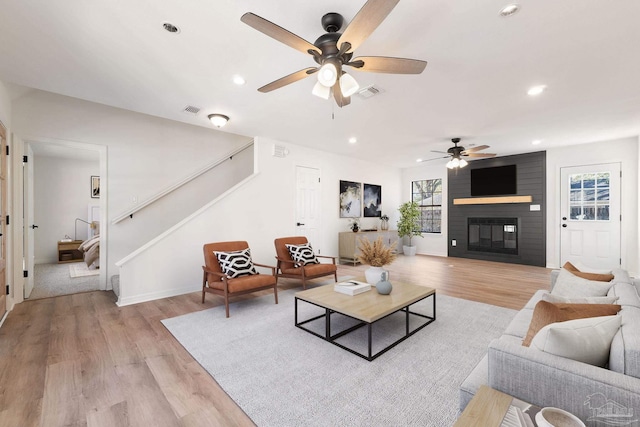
571,286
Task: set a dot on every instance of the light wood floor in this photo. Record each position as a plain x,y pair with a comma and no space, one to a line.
80,360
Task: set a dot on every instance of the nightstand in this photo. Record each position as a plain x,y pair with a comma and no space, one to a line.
68,251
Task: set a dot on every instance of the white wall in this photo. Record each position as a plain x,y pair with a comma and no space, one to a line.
624,151
259,211
61,194
5,106
430,243
145,154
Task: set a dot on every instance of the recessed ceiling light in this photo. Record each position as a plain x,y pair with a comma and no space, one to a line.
353,140
418,160
536,141
239,80
536,90
509,10
170,27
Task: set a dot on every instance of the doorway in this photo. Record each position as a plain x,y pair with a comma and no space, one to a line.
590,202
60,206
308,222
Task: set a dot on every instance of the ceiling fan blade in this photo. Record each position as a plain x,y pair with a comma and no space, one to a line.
291,78
278,33
436,151
435,158
385,64
366,21
474,149
479,155
342,101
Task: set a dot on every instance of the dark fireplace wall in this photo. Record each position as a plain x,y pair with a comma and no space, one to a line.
531,229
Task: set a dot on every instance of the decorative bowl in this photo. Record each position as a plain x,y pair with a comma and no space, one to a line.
555,417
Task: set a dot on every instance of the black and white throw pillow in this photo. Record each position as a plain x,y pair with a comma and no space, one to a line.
236,264
302,254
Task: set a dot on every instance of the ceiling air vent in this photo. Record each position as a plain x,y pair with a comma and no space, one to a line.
280,151
369,91
190,109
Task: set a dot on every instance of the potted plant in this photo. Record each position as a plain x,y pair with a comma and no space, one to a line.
409,225
376,255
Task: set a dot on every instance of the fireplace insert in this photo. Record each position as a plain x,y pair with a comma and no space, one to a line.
499,235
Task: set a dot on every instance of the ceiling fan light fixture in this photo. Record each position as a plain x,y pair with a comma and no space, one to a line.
348,85
218,120
462,163
328,74
321,90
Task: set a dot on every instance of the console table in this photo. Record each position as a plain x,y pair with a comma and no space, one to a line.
348,242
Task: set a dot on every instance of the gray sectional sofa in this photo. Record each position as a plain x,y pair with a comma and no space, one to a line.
592,393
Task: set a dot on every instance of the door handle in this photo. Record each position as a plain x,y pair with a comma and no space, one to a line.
33,226
564,225
299,224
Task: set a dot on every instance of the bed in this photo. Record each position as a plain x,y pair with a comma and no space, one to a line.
90,249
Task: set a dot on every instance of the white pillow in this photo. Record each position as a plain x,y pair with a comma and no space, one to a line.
571,286
585,340
581,300
585,269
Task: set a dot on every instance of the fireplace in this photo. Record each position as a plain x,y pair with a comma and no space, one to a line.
499,235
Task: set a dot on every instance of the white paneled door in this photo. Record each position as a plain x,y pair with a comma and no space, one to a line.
308,205
590,215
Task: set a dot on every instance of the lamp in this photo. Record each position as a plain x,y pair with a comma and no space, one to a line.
218,120
457,162
348,85
321,90
328,74
92,225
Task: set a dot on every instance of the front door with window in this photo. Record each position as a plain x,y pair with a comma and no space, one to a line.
590,215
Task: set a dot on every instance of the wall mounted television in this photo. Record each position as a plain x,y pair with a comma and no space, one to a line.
494,181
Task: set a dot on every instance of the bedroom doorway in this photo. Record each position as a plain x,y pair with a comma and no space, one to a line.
61,211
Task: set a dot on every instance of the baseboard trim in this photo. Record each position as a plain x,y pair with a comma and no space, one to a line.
136,299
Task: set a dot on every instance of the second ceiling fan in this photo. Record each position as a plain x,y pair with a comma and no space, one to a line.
333,50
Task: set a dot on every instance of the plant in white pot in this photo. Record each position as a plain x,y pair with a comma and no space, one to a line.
377,255
409,225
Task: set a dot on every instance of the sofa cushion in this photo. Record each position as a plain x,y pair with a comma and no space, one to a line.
582,300
626,293
570,286
599,277
312,269
546,313
621,276
625,348
585,340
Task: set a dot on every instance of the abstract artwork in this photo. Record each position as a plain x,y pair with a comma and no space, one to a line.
350,199
372,200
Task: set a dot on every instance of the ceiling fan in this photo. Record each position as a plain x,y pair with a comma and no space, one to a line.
456,154
334,50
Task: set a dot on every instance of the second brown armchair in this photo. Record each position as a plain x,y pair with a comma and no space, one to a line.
303,268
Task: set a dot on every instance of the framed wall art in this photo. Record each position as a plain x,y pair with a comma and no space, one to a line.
350,199
372,200
95,187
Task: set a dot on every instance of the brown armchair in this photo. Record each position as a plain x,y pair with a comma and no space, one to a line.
288,268
216,282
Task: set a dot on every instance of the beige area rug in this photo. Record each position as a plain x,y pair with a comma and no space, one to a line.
80,269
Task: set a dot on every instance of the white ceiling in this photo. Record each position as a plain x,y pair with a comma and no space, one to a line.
116,52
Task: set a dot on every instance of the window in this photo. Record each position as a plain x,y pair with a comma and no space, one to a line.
589,196
428,195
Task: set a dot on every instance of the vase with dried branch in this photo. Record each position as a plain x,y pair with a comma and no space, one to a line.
377,255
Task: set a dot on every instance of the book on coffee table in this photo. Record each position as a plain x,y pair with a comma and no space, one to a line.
351,287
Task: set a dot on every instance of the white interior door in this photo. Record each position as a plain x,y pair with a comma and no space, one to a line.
28,222
308,205
590,215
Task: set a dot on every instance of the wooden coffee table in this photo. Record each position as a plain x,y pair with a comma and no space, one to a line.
367,307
